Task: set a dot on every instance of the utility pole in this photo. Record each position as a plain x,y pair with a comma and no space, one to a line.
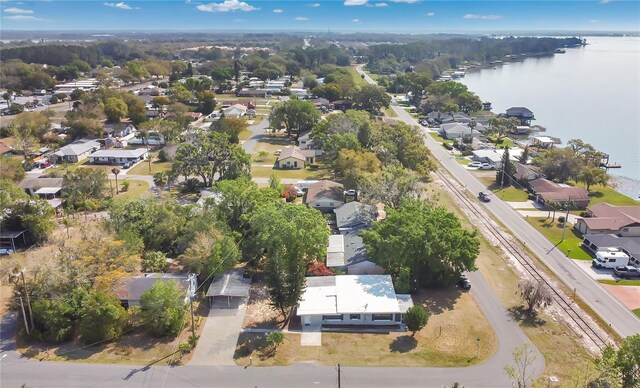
24,316
564,224
26,294
338,375
193,326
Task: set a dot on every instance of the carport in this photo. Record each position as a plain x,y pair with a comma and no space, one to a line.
232,284
10,237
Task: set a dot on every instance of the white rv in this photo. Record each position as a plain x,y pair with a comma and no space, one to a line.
610,258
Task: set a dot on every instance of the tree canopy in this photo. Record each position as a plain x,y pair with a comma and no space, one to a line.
163,309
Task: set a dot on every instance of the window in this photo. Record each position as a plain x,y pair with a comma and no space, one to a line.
317,204
398,317
330,203
354,317
332,317
381,317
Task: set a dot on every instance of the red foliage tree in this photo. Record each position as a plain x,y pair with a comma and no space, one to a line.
318,269
289,193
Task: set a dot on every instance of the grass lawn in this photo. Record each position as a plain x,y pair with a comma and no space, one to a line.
621,282
463,161
552,230
506,142
511,194
357,78
156,166
389,112
636,312
302,174
449,339
136,188
439,138
607,194
245,134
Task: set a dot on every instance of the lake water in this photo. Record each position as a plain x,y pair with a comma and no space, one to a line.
591,93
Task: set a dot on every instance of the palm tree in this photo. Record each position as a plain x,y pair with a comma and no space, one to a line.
115,172
7,97
262,155
160,179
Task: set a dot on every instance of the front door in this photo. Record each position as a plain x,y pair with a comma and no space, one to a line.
307,320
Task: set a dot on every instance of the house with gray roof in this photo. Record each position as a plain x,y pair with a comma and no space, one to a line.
75,152
601,242
126,158
130,289
458,130
353,215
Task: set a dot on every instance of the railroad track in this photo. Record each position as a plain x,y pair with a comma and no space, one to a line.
581,327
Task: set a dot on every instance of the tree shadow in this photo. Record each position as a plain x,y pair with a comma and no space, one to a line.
526,318
438,300
596,194
248,343
403,344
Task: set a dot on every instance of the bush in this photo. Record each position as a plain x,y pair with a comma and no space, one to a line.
103,319
162,155
125,186
561,219
163,309
191,185
52,320
154,261
416,318
318,269
275,339
447,146
313,167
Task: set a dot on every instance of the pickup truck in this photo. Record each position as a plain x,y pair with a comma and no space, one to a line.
627,272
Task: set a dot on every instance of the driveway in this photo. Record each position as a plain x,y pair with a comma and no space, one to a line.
217,343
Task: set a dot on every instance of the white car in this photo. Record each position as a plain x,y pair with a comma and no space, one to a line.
475,164
487,166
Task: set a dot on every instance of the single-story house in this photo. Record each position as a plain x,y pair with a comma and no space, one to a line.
352,300
604,218
353,215
342,105
457,130
263,93
494,157
320,102
236,110
521,113
121,129
125,158
301,93
250,104
305,141
294,157
548,191
230,285
543,142
324,195
601,242
346,252
130,289
49,189
75,152
448,117
525,173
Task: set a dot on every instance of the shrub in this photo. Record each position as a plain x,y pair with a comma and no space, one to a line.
191,185
416,318
162,155
447,146
125,186
561,219
275,339
318,269
154,261
103,319
163,309
52,320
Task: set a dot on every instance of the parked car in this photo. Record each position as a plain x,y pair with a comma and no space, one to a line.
627,272
475,164
487,166
277,152
484,197
299,191
464,283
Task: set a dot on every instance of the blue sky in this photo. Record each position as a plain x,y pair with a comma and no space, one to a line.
343,15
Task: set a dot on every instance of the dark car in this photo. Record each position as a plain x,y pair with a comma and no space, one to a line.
627,272
484,197
464,283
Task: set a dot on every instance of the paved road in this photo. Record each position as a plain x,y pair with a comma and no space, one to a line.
16,371
621,319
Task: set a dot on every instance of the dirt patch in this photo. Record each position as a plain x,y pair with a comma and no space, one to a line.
628,295
260,314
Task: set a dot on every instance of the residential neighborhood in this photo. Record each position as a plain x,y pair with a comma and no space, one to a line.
280,207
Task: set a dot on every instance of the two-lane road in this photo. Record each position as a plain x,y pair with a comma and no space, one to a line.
618,316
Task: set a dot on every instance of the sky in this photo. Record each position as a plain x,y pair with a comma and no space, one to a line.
419,16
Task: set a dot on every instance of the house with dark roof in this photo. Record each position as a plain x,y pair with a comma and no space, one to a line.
525,173
521,113
546,191
353,215
324,195
49,189
342,105
448,117
603,218
130,289
600,242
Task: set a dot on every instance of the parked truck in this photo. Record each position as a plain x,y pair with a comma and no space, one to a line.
610,258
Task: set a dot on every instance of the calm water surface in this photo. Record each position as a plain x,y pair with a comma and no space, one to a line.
591,93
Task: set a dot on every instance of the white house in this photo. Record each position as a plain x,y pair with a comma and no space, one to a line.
73,153
119,129
126,158
352,300
237,110
494,157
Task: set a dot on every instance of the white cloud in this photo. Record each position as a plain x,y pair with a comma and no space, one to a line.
17,10
378,5
314,5
594,21
431,14
23,18
349,3
226,6
406,1
278,10
355,20
481,17
120,5
301,18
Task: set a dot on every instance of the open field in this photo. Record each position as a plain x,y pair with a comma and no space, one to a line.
555,340
389,112
552,230
455,322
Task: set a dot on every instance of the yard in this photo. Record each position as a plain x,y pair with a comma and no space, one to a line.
142,168
508,193
621,282
357,78
439,138
608,194
449,339
389,112
136,188
263,167
552,230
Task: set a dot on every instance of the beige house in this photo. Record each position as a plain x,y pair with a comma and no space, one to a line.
324,195
604,218
295,158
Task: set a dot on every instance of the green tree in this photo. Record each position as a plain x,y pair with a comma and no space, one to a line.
11,169
23,212
103,319
275,339
210,253
391,186
506,171
232,126
83,184
468,102
593,176
296,115
416,318
160,179
353,166
371,98
53,320
163,309
206,102
115,109
29,128
560,164
329,91
291,237
524,157
425,238
137,70
154,261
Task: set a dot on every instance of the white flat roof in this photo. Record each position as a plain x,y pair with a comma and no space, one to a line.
544,139
48,190
335,251
366,294
318,299
134,153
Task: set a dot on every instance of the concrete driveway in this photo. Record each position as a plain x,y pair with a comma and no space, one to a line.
217,343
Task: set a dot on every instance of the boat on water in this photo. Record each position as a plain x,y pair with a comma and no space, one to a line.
559,51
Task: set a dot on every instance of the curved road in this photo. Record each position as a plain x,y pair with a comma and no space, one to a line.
612,311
